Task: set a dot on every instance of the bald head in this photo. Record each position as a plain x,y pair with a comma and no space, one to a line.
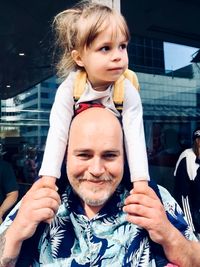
97,123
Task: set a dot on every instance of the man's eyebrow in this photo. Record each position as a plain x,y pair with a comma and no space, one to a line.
82,150
89,150
112,151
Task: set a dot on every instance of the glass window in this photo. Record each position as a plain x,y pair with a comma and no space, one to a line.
170,96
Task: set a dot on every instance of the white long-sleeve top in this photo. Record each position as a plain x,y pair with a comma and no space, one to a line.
61,116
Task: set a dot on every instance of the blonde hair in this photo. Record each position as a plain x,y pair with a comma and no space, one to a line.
76,28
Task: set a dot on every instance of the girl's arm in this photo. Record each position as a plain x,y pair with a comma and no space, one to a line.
60,119
132,118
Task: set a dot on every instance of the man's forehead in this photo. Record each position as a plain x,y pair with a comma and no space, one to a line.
95,118
95,125
87,138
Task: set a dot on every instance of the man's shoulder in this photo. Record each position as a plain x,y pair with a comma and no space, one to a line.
165,194
10,217
167,197
175,214
170,204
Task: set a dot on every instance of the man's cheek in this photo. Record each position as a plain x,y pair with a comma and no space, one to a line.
76,165
117,169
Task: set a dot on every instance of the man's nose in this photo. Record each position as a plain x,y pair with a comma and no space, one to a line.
96,167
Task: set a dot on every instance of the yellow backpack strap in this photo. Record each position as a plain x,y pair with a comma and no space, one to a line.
132,77
79,84
118,93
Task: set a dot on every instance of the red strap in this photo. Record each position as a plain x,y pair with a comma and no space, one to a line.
84,106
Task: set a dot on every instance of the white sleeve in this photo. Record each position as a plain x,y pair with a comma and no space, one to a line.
60,119
132,119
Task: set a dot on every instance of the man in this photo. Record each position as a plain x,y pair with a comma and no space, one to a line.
8,188
90,227
187,182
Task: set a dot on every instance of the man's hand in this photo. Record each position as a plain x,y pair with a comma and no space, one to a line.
39,204
143,207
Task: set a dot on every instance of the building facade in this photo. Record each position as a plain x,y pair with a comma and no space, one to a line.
170,103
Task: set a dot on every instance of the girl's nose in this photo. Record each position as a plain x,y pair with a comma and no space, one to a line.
116,55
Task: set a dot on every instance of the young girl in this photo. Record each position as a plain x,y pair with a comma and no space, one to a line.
93,43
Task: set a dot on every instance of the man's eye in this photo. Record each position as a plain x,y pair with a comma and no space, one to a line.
83,155
110,156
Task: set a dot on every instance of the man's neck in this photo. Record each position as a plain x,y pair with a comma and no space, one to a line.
91,211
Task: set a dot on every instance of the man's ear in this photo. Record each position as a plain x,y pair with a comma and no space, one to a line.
77,58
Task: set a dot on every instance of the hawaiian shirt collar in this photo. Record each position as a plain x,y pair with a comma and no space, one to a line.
115,204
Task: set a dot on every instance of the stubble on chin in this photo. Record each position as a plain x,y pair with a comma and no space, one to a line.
94,197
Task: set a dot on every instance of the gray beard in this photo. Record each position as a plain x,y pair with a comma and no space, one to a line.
95,203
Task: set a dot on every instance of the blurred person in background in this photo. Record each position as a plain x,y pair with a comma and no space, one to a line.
8,187
187,182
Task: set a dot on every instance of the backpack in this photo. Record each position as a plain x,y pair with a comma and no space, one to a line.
118,93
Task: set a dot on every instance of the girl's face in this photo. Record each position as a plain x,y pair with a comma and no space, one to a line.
105,59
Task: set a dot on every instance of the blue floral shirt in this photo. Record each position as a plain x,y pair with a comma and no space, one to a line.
105,240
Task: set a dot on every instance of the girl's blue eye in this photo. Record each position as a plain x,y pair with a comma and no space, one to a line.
105,48
123,46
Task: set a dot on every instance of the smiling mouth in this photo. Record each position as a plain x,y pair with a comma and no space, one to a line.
96,182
